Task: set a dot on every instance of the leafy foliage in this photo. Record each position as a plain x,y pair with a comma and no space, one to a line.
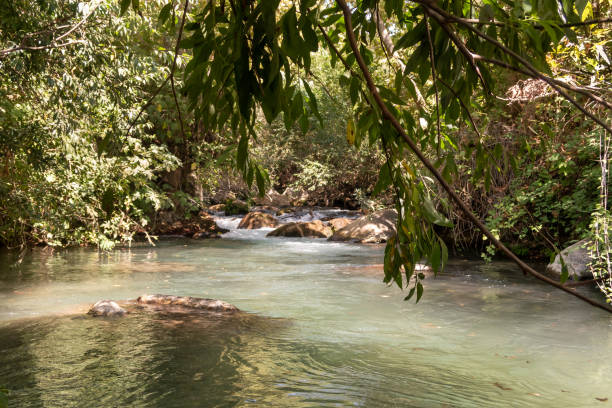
72,173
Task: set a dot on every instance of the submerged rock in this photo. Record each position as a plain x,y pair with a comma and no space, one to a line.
213,305
313,229
576,258
369,229
256,220
106,308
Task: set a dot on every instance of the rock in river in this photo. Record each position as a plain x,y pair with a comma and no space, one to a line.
273,198
314,229
256,220
576,258
369,229
212,305
339,223
106,308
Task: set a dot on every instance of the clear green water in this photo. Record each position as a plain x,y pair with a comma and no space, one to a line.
322,330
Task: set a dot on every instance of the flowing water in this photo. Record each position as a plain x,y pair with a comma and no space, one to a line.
321,330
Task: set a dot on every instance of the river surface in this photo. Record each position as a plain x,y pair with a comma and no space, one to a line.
321,330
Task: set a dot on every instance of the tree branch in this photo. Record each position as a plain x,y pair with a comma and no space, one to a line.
389,116
7,51
442,16
54,42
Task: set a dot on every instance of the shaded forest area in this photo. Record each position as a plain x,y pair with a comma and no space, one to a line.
99,132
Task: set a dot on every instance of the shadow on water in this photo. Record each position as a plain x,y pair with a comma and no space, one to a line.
147,358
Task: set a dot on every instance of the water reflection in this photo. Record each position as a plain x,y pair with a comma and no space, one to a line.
324,331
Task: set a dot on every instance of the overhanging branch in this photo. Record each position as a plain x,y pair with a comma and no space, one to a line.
398,127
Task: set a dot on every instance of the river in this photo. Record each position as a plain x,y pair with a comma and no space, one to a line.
321,330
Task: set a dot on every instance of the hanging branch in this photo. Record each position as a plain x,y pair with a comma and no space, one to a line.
443,17
398,127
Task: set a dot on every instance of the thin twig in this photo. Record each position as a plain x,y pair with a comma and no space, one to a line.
333,47
54,42
3,53
465,108
147,104
176,51
442,16
334,100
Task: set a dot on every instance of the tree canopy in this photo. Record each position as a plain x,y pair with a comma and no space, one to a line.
256,56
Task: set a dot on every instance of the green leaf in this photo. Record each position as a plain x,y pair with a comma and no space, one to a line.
580,6
4,400
436,258
312,102
241,154
414,35
249,176
390,96
164,14
410,294
125,4
444,253
310,36
433,215
350,132
304,123
354,90
486,14
260,177
419,289
384,180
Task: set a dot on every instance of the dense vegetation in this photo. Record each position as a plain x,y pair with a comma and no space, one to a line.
113,111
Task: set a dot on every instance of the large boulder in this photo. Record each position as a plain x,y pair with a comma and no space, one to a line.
269,209
212,305
313,229
369,229
273,198
234,207
199,226
256,220
339,223
217,208
106,308
576,258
